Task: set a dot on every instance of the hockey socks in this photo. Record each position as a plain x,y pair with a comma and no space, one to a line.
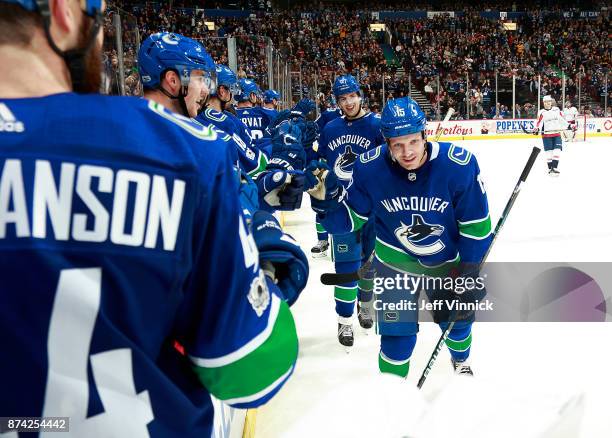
395,352
346,294
459,342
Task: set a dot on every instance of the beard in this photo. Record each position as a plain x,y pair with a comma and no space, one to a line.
86,69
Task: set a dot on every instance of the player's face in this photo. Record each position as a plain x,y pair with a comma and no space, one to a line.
197,92
408,150
350,104
547,104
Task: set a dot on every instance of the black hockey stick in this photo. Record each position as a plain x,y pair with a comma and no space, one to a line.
500,223
335,279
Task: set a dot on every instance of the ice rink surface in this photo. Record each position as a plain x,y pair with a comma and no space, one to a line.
532,379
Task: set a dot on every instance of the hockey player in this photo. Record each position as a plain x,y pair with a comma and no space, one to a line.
177,72
120,233
550,123
271,99
320,249
250,114
341,143
570,114
431,215
252,160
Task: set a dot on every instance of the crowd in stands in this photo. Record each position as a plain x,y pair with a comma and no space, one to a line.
453,61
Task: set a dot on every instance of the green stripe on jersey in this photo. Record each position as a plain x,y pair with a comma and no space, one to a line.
257,372
478,229
404,262
263,162
357,221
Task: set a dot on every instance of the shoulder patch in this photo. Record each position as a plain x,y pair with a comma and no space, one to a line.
194,128
214,115
459,155
370,155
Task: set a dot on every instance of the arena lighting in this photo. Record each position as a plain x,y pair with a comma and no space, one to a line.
210,25
509,25
378,27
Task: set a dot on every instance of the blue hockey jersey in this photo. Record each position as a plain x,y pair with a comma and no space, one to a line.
121,237
255,119
327,116
434,216
342,141
251,160
269,115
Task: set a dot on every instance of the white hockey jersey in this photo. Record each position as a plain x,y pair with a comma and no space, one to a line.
551,122
570,114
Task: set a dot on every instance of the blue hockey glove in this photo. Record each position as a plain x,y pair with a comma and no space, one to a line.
326,192
310,133
280,256
304,106
287,150
284,115
280,190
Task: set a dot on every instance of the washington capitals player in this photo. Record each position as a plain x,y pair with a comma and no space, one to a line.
120,233
570,114
550,123
431,216
340,144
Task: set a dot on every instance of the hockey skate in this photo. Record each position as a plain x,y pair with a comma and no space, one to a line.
554,172
364,315
462,368
345,332
320,249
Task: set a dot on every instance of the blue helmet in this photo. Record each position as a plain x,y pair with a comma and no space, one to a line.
270,95
345,84
227,78
169,51
247,86
401,117
91,7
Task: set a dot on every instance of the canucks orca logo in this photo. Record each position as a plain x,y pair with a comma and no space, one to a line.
417,231
344,164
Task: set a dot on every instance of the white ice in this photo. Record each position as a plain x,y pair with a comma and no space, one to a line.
529,376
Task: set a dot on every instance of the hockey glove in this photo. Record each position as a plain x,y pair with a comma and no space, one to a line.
287,151
280,190
280,256
310,133
304,107
326,192
468,287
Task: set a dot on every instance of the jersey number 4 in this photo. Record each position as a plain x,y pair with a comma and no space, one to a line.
75,310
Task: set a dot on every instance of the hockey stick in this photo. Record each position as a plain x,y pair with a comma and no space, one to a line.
500,223
440,130
335,279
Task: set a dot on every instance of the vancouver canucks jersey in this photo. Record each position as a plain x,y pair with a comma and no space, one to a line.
251,160
119,236
342,141
254,119
434,216
269,115
327,116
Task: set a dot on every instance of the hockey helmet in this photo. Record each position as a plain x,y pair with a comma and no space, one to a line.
345,84
227,78
401,117
247,86
170,51
270,95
